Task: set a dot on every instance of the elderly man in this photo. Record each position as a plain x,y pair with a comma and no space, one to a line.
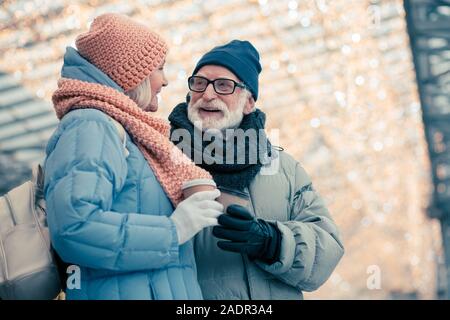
284,241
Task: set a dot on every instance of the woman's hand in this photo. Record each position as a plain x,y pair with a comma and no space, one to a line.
195,213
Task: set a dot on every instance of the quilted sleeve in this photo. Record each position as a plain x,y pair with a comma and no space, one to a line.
311,245
84,172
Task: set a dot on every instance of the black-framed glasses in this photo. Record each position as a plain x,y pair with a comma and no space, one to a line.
221,85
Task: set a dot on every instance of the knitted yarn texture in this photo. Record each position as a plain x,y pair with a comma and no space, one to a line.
127,51
151,134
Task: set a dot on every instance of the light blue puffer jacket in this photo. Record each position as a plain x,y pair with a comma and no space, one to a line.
108,213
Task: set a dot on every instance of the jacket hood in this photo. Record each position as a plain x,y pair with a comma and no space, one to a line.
77,67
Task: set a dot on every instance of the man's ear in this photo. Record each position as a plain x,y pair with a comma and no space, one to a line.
249,105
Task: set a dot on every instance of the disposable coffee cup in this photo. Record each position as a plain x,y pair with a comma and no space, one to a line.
229,196
197,185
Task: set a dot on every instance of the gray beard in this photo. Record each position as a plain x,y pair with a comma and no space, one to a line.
231,120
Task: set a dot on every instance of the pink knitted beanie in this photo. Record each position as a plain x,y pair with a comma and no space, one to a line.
127,51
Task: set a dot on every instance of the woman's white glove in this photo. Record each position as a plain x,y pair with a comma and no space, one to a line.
195,213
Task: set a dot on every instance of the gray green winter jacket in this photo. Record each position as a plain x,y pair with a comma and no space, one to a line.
310,249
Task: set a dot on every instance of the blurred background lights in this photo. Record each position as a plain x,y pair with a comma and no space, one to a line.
338,82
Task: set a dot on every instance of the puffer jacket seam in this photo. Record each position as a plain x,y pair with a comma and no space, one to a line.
119,254
151,289
167,278
77,136
186,292
99,247
316,243
131,224
138,186
300,192
97,182
289,182
118,287
59,231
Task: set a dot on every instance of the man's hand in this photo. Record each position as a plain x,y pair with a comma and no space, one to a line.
254,237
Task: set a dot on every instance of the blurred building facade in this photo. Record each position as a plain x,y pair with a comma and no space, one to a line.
429,30
339,90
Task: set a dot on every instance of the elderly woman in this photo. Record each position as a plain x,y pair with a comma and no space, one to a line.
114,198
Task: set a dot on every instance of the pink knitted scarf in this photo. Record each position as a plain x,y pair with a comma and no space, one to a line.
151,134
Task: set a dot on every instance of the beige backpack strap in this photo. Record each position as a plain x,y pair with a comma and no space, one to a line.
122,135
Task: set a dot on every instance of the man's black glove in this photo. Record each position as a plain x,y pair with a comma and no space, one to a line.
254,237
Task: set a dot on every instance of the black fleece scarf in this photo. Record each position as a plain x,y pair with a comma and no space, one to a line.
246,163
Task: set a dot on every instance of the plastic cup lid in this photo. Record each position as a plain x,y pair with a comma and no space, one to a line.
238,193
197,182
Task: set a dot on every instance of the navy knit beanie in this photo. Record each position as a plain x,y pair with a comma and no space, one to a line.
240,57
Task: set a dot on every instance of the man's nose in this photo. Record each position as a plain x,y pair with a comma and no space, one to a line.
209,93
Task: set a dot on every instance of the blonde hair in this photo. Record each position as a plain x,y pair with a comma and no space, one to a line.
142,94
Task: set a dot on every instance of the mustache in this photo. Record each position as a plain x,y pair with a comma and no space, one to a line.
214,104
